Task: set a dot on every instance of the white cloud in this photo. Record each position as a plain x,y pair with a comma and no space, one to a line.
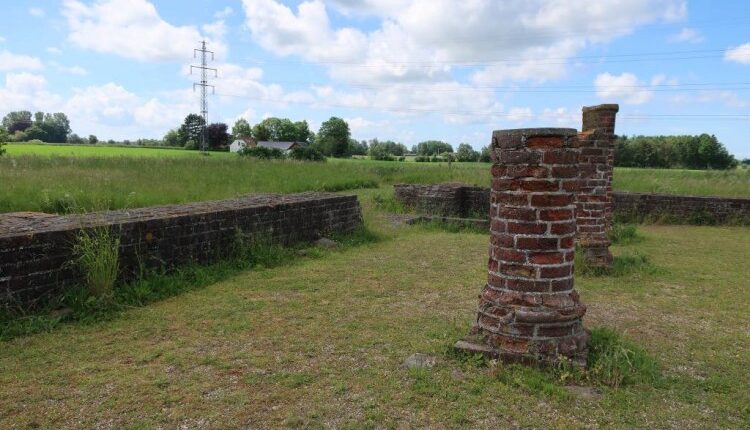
520,114
224,13
625,87
739,54
425,39
132,29
10,61
54,51
2,39
687,34
561,116
73,70
727,98
27,91
36,12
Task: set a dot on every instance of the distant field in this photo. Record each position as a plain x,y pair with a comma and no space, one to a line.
101,151
67,178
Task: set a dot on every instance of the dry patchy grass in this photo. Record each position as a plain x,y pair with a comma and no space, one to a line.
320,344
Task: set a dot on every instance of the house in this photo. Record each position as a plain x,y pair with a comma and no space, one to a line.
249,142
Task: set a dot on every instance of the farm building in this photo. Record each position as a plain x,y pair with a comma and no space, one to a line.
249,142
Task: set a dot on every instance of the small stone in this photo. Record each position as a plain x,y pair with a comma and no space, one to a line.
584,393
326,243
420,361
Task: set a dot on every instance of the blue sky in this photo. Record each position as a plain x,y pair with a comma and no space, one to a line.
402,70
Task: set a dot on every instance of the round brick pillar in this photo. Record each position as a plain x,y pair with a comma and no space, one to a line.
594,199
529,311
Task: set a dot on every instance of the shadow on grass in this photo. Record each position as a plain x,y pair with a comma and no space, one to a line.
79,306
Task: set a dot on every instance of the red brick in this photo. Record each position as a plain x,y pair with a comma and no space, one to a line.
498,226
526,285
560,157
547,257
563,228
503,240
539,185
526,228
510,199
520,214
527,171
540,243
567,242
555,272
522,271
551,200
510,255
565,172
555,214
545,142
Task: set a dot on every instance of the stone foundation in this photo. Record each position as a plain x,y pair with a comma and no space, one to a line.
36,258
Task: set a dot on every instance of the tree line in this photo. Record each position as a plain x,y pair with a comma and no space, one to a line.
333,139
688,152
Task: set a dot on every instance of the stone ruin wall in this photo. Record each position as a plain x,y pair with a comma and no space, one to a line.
476,200
36,249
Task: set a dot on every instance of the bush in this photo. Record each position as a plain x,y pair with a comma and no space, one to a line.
3,138
306,153
262,153
422,159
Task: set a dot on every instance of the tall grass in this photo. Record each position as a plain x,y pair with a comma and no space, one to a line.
97,253
47,184
614,361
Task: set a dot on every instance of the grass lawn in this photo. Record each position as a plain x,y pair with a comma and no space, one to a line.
63,178
319,343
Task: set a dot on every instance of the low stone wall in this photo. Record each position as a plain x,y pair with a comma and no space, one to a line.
690,209
461,200
452,199
36,249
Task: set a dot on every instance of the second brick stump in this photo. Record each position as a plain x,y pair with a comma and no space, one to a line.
529,311
594,199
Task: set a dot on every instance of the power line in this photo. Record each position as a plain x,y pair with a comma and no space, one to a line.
204,85
742,117
580,59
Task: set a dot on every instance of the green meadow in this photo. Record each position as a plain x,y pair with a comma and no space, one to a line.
63,178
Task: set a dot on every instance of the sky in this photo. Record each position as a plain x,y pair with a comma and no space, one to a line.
402,70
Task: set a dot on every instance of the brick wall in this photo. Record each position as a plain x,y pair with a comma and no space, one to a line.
445,199
631,205
719,210
35,249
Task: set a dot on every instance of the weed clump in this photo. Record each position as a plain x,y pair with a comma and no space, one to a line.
97,253
622,265
623,234
614,361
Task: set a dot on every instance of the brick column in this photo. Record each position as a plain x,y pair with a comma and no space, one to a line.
594,199
529,311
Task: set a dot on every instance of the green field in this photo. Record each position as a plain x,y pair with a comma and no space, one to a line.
50,150
67,178
319,344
